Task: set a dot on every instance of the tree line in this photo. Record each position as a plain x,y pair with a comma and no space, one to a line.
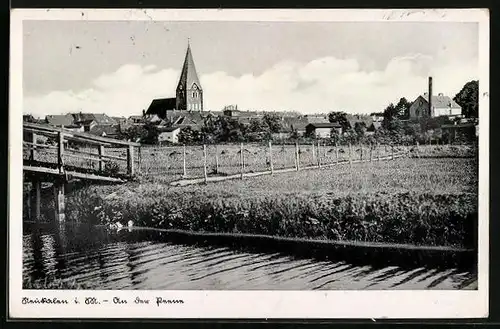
395,126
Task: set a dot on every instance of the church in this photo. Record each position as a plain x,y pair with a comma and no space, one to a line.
188,95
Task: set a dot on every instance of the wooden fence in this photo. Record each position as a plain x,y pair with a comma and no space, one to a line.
231,159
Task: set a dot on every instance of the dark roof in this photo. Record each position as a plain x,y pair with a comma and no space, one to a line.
316,119
73,126
87,122
193,126
441,101
295,123
59,120
185,117
160,106
152,118
107,129
119,119
325,125
136,117
168,129
99,118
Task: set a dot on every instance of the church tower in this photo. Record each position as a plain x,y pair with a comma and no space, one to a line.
189,94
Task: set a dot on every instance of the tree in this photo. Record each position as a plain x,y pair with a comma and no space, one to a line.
467,98
334,136
151,136
133,133
189,136
402,109
360,129
273,122
340,118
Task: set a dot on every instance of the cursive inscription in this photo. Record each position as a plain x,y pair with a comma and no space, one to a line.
44,300
95,301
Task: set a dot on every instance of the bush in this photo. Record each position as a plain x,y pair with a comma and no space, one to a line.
111,168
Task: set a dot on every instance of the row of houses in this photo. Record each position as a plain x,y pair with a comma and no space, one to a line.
98,124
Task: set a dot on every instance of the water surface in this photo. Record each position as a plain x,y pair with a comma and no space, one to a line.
146,260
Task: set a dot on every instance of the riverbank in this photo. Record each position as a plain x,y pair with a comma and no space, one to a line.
430,202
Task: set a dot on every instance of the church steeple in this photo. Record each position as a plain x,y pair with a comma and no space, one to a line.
189,93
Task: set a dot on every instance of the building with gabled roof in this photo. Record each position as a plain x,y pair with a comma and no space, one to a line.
63,120
188,94
441,106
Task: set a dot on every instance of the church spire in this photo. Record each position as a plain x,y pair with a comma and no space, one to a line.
188,74
189,91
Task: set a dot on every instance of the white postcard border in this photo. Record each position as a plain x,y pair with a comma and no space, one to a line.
245,304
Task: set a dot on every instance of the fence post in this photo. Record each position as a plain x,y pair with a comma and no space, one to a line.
184,174
139,161
350,153
242,164
313,153
130,161
101,161
417,149
216,159
297,165
378,151
371,151
271,158
35,200
361,152
32,139
319,155
392,151
336,153
60,151
205,162
59,209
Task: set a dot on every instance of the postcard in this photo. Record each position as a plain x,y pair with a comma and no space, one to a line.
249,164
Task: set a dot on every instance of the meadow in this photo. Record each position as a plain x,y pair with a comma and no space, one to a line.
421,201
225,159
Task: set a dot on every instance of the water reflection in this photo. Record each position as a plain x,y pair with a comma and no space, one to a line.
100,261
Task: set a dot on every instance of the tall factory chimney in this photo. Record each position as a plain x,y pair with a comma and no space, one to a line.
430,96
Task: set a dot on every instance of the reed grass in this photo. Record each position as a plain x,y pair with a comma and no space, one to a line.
422,202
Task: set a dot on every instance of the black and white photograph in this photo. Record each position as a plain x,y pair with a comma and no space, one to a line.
193,153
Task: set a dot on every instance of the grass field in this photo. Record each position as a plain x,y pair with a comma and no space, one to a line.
431,201
168,160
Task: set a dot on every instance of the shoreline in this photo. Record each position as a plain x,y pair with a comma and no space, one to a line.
355,252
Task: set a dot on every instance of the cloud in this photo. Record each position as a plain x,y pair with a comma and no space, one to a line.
324,84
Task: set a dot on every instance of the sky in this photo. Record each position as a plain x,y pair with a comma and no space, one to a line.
119,67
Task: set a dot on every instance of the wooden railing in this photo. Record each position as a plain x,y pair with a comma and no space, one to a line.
78,152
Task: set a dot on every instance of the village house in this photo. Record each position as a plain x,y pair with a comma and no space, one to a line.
441,106
169,135
120,120
136,119
430,106
323,130
28,118
62,121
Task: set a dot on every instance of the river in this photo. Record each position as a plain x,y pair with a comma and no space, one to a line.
146,260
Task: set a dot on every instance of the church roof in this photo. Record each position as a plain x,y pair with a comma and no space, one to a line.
188,74
160,106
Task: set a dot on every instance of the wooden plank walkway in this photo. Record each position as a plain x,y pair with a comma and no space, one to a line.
58,155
